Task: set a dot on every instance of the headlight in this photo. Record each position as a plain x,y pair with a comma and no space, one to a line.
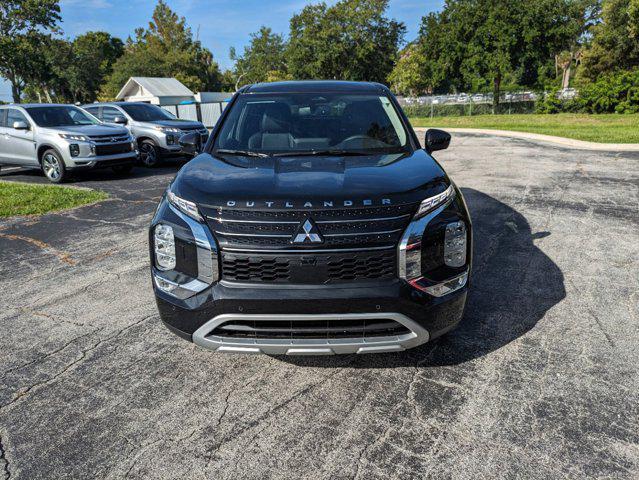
432,202
186,207
72,136
168,129
164,246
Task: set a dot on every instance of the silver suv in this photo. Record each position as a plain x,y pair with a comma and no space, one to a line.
62,138
157,131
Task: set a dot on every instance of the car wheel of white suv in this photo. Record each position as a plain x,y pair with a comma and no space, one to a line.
53,167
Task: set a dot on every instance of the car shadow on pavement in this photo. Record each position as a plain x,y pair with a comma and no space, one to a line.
33,175
513,284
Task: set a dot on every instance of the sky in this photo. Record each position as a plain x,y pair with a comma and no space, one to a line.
220,24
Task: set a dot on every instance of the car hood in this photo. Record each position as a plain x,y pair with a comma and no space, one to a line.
177,123
310,182
91,130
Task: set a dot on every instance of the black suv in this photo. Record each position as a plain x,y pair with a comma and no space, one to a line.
312,223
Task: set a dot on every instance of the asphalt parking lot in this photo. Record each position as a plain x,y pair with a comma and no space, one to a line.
540,381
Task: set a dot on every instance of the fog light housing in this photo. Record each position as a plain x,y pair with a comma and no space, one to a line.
455,244
170,140
74,149
164,284
440,289
164,246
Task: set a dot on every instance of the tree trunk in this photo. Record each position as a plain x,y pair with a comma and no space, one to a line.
496,90
15,88
565,80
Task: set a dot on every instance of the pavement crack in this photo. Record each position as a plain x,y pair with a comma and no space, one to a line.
601,327
47,355
27,390
62,256
3,458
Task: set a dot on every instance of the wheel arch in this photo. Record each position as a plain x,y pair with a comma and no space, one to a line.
43,148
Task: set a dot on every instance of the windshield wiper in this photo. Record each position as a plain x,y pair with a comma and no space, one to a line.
243,153
324,153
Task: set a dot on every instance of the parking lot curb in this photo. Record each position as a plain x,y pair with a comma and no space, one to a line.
537,137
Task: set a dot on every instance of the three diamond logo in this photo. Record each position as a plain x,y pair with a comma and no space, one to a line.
308,233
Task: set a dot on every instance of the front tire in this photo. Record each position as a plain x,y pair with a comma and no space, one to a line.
53,167
149,153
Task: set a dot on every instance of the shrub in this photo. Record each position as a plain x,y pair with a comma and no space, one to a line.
617,92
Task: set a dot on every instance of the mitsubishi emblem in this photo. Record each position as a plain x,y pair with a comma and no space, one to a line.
308,233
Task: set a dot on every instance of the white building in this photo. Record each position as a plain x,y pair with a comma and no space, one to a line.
158,91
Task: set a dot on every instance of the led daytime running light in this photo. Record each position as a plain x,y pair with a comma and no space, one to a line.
186,207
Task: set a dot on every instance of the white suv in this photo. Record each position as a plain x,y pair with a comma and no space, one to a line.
62,138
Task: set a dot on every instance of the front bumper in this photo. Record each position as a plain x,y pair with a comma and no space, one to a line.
103,161
425,316
198,305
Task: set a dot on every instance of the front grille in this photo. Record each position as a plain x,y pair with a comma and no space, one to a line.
317,269
339,228
317,329
112,149
109,138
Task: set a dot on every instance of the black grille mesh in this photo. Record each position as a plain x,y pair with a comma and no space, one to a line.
302,269
318,329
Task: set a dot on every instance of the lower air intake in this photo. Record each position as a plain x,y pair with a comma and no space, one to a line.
310,329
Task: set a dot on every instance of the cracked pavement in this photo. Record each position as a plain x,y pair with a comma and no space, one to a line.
540,380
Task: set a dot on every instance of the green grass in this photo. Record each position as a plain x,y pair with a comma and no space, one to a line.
610,128
28,199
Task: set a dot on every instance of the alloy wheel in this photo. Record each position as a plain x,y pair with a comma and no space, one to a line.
148,154
51,166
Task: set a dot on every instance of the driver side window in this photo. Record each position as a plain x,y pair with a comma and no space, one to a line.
14,115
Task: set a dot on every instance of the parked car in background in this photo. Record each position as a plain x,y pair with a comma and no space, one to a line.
157,131
62,138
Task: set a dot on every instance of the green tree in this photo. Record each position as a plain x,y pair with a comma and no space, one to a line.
23,26
165,49
408,76
484,44
264,59
351,40
615,40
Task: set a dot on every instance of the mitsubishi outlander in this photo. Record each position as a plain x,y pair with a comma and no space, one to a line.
313,222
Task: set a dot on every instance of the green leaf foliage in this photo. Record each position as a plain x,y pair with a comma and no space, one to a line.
24,25
165,49
350,40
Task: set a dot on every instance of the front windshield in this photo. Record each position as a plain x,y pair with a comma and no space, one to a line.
146,113
61,116
307,123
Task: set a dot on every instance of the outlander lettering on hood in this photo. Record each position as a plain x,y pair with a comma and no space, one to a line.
307,203
313,222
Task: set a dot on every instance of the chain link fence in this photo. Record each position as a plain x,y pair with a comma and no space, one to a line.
464,104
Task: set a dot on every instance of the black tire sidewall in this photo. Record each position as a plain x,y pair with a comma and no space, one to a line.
63,168
157,153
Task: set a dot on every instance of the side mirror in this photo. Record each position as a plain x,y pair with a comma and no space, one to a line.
190,143
120,120
21,125
436,140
